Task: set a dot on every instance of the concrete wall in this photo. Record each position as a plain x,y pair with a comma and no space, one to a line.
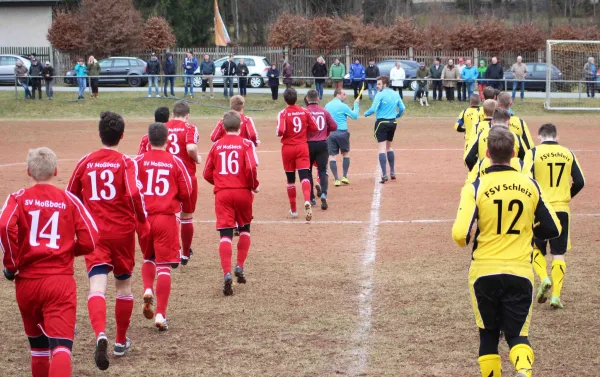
24,25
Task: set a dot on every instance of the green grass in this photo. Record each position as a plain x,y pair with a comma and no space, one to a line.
136,105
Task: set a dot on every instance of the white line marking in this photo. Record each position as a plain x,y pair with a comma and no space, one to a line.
25,163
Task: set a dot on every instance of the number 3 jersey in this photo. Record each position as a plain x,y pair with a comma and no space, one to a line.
232,164
166,184
506,204
107,183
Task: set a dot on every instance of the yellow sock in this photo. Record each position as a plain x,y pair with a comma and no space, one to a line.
490,366
539,264
559,268
521,356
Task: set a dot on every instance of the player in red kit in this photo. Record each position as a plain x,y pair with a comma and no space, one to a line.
292,125
107,183
167,189
231,166
182,142
42,229
161,115
247,128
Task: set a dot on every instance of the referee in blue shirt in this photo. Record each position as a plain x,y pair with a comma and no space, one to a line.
388,107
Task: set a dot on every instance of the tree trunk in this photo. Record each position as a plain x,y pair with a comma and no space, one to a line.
530,10
236,15
550,3
570,2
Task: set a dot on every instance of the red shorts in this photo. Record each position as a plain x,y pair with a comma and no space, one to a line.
48,306
233,208
194,192
295,157
163,241
116,253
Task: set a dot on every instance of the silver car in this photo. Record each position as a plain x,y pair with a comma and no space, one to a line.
7,67
257,70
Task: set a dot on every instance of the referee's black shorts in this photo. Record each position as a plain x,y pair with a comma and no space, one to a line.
385,129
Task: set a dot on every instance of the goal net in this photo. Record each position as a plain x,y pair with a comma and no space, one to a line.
569,85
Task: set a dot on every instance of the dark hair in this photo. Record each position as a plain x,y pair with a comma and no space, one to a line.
231,121
501,145
290,96
111,128
437,59
548,131
489,93
312,96
385,81
162,115
158,134
500,116
181,109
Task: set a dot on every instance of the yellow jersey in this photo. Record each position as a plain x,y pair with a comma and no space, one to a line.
519,127
554,167
479,171
506,204
466,121
477,150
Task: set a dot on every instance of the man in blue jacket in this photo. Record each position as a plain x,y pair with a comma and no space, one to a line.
357,75
469,74
207,68
169,71
190,65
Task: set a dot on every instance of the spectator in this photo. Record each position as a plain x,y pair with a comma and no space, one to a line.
319,69
590,76
435,72
273,75
372,75
422,75
519,70
169,71
469,74
481,80
93,68
397,76
35,73
81,72
242,72
228,69
450,76
494,73
22,75
48,74
357,76
190,65
461,89
207,68
337,73
287,74
153,70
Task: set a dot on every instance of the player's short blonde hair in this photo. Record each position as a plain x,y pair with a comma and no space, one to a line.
504,100
41,163
237,103
231,121
489,106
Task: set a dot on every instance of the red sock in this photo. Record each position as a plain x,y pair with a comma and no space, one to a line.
306,189
187,233
242,248
97,312
163,289
291,191
123,310
225,251
61,362
148,274
40,362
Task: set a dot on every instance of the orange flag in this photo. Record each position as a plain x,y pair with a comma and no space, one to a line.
221,34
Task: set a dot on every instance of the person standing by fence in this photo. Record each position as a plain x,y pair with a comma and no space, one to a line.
153,70
372,75
93,68
81,72
450,76
469,74
397,76
481,80
48,74
169,71
337,73
494,74
357,75
461,89
242,72
422,75
287,74
35,73
435,72
273,75
22,76
207,68
228,69
190,65
590,76
319,69
519,70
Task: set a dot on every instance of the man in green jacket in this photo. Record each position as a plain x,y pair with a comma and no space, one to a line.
337,72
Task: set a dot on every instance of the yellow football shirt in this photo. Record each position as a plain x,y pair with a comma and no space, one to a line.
477,150
519,127
466,121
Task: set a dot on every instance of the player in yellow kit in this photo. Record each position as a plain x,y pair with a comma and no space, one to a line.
468,118
516,125
505,204
487,109
553,167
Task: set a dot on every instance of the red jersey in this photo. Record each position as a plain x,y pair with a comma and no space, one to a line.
231,164
325,123
247,130
167,186
293,122
107,183
42,229
144,145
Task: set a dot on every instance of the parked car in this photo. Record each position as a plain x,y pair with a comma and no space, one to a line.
7,67
536,77
598,81
385,66
257,70
130,71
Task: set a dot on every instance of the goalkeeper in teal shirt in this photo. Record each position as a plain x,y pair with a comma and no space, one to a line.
388,107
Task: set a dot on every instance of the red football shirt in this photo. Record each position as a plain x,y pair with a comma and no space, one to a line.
231,164
42,229
107,183
144,145
325,123
166,184
247,130
293,122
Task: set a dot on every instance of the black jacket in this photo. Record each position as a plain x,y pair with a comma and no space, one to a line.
49,71
273,75
242,70
35,70
169,66
372,72
494,71
228,68
153,67
319,70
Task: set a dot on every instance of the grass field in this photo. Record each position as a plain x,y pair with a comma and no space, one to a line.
374,286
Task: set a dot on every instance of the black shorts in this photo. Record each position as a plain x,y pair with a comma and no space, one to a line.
560,245
385,129
338,141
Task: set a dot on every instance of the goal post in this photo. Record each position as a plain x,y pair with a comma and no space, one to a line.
568,86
